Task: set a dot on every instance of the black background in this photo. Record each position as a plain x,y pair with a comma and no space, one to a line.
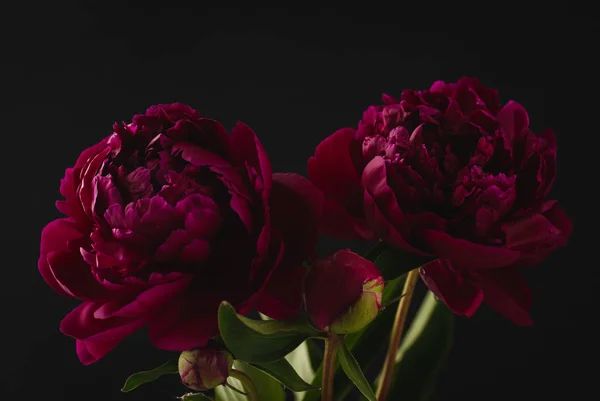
70,71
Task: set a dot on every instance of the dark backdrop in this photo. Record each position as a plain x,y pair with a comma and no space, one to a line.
70,71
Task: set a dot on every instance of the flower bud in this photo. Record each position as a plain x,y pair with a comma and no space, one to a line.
342,293
202,369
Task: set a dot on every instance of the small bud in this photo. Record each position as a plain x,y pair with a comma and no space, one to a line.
202,369
342,293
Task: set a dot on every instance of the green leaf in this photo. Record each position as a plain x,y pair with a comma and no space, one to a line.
301,362
423,351
261,341
393,263
354,372
315,354
267,387
300,359
195,397
137,379
282,371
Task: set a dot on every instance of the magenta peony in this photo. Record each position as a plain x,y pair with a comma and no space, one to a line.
167,217
452,174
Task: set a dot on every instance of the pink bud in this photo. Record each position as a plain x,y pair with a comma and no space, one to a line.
202,369
342,292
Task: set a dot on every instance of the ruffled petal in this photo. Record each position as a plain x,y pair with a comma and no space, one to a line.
182,325
466,254
461,296
249,152
381,207
507,292
336,222
96,337
56,237
332,169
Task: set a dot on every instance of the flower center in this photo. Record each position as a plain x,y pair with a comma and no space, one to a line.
433,167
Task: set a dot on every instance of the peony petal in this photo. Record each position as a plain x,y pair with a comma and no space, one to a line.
247,151
530,232
507,292
169,113
281,296
461,296
171,248
439,86
383,228
68,185
488,95
56,237
336,222
74,276
71,206
292,192
548,161
158,215
466,254
332,169
44,269
382,211
276,294
107,194
514,120
182,325
86,191
210,134
162,289
203,223
266,245
374,180
557,216
95,338
240,206
198,156
388,99
197,251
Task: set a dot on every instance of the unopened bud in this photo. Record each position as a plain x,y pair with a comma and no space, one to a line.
202,369
343,292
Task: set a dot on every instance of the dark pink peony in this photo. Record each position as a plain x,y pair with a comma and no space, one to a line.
342,293
167,217
448,173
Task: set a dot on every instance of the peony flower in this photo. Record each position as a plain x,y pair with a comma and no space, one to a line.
342,293
167,217
448,173
205,368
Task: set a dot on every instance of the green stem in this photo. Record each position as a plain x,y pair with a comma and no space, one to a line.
387,371
331,343
251,390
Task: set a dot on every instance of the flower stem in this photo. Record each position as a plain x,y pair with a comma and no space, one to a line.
387,371
331,343
251,390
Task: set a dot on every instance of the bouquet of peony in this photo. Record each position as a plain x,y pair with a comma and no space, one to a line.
176,224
